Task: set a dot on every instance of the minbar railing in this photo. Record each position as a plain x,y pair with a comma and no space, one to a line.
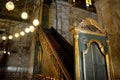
46,45
40,76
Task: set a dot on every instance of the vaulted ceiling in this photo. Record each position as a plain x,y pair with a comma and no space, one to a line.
13,17
10,18
20,6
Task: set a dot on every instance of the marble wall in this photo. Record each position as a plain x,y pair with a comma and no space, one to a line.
65,15
109,16
114,30
20,60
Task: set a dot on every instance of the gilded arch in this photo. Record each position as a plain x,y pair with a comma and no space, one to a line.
99,44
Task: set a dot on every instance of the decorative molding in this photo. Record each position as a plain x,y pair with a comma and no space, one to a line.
77,59
111,67
45,44
102,49
99,44
88,26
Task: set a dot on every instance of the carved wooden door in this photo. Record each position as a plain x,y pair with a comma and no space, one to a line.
94,64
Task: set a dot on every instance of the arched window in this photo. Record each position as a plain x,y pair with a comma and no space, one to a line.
88,3
85,4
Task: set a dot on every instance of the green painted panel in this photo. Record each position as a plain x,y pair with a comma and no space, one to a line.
92,64
88,37
35,69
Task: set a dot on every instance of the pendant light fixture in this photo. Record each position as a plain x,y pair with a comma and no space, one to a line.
10,37
16,35
27,30
36,22
24,14
9,5
32,29
4,37
22,33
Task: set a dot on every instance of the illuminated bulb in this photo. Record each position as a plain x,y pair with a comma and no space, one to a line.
10,5
16,35
4,51
73,0
27,30
10,37
4,38
24,15
22,33
8,53
32,29
35,22
87,4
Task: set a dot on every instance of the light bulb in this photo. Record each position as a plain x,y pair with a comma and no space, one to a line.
4,51
73,0
32,29
16,35
24,15
10,5
4,37
8,53
27,30
10,37
35,22
22,33
87,4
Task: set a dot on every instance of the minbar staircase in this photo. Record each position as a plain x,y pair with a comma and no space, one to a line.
63,49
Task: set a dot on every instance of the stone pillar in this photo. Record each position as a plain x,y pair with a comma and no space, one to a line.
31,62
40,11
52,15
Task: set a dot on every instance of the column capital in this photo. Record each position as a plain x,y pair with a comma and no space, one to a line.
76,36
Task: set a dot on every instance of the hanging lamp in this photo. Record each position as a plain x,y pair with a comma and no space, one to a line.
9,5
